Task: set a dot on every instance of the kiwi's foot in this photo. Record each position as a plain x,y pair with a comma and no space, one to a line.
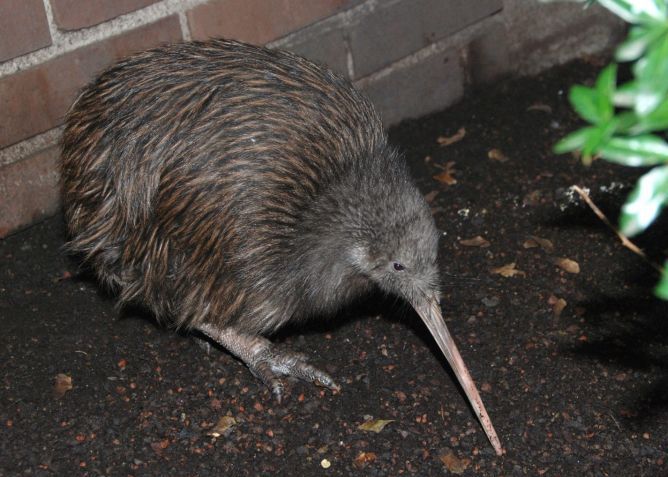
266,361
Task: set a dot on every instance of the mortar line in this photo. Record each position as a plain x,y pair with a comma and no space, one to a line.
65,42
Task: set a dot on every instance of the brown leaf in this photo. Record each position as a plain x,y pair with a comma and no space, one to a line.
62,385
65,276
446,176
497,155
160,446
364,458
534,241
558,305
508,270
374,425
476,241
223,425
444,141
429,198
453,463
567,265
540,107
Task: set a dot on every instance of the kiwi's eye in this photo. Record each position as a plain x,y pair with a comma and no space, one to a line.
398,267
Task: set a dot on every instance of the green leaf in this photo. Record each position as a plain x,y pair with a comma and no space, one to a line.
626,94
645,201
606,81
597,139
634,11
651,72
646,150
573,141
627,122
585,102
639,39
657,120
634,45
661,289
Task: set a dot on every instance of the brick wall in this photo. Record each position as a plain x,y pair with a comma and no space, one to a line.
412,57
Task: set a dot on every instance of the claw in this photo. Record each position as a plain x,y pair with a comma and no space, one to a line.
266,362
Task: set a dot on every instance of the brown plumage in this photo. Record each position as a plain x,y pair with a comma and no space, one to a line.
231,189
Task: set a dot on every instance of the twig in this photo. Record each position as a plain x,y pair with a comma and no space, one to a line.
624,239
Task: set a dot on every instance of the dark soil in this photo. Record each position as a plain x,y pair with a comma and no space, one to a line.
580,393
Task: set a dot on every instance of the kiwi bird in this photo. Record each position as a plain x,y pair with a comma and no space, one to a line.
232,189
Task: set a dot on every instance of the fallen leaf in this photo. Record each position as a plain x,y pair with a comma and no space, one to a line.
429,198
453,463
65,276
159,446
444,141
497,155
446,176
476,241
508,270
621,377
540,107
224,424
567,265
534,241
374,425
62,385
364,458
558,305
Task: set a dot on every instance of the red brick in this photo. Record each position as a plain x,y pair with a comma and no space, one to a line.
23,27
258,21
414,90
76,14
36,99
29,190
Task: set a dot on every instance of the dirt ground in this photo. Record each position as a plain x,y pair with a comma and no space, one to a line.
577,391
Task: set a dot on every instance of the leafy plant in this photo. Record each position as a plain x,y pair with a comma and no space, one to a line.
628,123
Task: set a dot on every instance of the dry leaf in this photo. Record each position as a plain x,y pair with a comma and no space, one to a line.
558,305
224,424
567,265
65,276
497,155
431,196
508,270
456,137
364,458
534,241
160,446
374,425
453,463
540,107
476,241
446,176
62,385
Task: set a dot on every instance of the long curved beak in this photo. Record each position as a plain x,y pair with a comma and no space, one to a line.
430,312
